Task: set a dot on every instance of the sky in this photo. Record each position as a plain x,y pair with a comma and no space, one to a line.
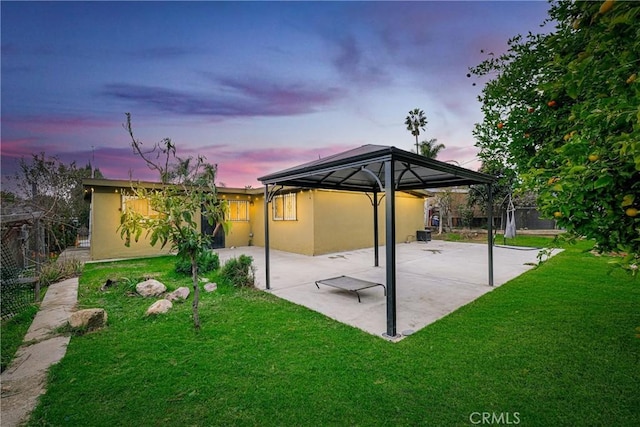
255,87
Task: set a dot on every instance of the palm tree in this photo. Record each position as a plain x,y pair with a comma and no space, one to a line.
416,121
430,148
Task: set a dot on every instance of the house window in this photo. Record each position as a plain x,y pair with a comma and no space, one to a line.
238,210
138,205
284,207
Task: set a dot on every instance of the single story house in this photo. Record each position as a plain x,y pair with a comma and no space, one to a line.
304,221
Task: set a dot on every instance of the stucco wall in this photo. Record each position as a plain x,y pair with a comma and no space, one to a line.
327,221
409,217
105,237
291,236
344,220
238,234
257,221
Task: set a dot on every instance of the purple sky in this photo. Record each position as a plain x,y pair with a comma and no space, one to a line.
254,86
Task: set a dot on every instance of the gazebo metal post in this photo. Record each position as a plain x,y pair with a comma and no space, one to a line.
390,243
490,230
375,228
266,236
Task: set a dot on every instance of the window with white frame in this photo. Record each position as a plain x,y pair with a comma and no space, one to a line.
238,210
284,207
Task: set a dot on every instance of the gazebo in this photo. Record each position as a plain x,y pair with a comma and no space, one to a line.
378,170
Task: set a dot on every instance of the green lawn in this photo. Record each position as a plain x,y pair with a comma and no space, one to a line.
12,334
556,346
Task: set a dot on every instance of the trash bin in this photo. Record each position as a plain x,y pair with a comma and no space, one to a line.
423,235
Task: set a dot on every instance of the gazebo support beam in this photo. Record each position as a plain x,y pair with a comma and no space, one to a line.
266,237
390,244
376,250
490,230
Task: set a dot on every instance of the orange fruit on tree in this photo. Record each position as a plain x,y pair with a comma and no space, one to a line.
552,103
593,157
500,125
606,7
632,212
557,214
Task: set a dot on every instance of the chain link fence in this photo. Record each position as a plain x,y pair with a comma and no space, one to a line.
23,253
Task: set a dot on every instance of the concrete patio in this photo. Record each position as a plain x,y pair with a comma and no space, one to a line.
433,279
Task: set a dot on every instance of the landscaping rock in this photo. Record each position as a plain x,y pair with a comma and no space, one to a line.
159,307
181,293
91,318
210,287
150,288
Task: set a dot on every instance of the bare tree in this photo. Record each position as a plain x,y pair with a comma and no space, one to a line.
444,201
187,189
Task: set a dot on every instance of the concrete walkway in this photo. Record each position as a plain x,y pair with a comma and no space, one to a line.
25,380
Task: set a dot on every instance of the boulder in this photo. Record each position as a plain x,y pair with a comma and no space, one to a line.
181,293
150,288
210,287
159,307
90,318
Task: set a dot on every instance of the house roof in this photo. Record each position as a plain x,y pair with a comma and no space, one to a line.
362,169
89,183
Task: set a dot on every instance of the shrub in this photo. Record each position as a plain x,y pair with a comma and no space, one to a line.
59,270
207,261
239,271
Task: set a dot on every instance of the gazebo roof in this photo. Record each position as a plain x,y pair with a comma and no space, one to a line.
362,169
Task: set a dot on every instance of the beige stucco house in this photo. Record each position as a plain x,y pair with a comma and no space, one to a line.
304,221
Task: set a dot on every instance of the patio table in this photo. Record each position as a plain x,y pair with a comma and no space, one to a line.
350,284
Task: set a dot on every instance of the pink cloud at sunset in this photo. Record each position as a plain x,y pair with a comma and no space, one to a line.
253,86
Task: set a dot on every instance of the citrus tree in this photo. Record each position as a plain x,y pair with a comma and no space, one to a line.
562,109
186,190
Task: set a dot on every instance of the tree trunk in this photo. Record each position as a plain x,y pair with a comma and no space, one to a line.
196,290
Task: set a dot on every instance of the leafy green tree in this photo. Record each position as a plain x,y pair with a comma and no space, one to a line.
48,185
562,110
430,148
416,121
186,189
